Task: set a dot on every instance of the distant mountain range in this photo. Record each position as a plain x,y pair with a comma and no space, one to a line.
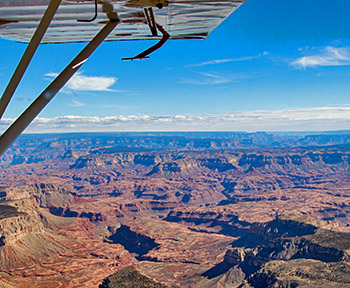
31,147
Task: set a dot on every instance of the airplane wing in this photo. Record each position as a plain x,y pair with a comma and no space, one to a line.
182,19
94,21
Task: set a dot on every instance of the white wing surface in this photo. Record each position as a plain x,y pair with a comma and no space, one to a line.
182,19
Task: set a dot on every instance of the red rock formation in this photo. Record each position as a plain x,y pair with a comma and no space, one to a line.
39,249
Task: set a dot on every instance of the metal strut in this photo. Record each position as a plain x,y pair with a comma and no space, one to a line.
151,21
144,54
28,54
45,97
93,18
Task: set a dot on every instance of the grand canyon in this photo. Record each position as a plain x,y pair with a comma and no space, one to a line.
204,209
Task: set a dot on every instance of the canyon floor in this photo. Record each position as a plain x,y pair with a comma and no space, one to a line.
176,210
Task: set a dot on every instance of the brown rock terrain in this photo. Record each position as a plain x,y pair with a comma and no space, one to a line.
293,251
170,252
40,249
78,208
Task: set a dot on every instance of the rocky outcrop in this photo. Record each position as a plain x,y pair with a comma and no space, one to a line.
133,241
37,248
48,195
281,227
301,273
146,160
210,220
269,247
7,211
214,161
160,241
21,227
175,168
240,172
67,212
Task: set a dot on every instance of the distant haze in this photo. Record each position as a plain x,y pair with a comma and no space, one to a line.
306,119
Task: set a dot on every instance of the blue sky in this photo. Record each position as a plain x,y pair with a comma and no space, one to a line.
271,66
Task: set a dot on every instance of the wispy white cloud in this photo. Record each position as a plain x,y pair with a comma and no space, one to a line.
80,82
204,78
221,61
76,103
214,78
302,119
328,56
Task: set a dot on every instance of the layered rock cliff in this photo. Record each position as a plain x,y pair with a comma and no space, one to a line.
37,248
298,243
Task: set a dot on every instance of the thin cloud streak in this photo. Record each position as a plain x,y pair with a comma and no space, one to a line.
214,78
207,79
302,119
80,82
221,61
76,103
328,56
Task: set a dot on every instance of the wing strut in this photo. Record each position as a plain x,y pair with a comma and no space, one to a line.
93,18
150,20
28,54
144,54
45,97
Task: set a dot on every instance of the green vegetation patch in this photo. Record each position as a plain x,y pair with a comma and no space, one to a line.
302,273
129,277
7,211
329,238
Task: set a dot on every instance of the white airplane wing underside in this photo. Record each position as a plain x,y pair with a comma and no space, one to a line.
182,19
